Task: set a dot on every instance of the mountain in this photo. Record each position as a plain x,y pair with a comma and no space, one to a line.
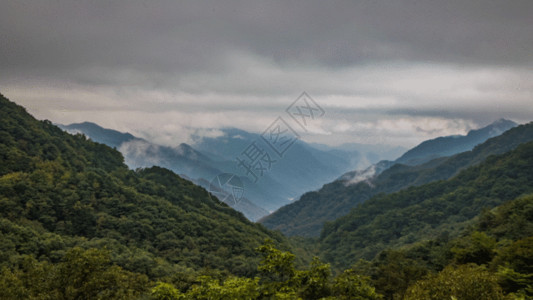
139,153
184,159
496,245
76,223
61,194
302,168
306,216
450,145
418,213
368,153
432,149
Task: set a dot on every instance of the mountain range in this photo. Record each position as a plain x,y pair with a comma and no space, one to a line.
304,167
77,223
445,206
450,145
307,216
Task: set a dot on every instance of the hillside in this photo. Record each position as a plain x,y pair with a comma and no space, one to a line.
450,145
488,259
60,191
423,212
306,216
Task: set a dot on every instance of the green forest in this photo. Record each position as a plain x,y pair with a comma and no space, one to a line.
76,223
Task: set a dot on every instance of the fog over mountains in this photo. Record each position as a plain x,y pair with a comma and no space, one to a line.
306,167
303,168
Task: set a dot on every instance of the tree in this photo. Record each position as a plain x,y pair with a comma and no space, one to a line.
277,270
165,291
465,282
233,288
350,285
315,282
83,274
515,266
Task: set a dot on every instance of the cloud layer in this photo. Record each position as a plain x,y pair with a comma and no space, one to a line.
396,72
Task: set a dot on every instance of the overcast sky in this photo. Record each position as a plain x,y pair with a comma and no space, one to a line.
395,72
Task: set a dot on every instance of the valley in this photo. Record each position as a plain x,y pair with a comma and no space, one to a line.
69,200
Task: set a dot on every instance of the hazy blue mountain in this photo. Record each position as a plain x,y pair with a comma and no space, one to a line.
302,168
432,149
184,160
307,215
234,141
244,205
450,145
368,154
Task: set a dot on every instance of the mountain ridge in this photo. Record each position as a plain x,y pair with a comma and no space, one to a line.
418,212
307,215
450,145
301,169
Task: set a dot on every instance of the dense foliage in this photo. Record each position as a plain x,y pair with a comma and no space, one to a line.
277,279
426,211
491,258
307,216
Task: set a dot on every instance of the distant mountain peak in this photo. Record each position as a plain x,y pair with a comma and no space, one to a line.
504,121
87,124
449,145
501,123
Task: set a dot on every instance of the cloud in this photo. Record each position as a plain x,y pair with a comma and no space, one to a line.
385,72
140,154
359,176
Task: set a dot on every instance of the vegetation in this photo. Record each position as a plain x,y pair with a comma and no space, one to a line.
410,273
490,259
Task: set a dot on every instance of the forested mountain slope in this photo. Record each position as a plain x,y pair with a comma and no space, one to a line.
59,191
306,216
183,159
425,211
490,258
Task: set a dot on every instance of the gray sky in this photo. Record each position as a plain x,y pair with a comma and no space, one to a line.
395,72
